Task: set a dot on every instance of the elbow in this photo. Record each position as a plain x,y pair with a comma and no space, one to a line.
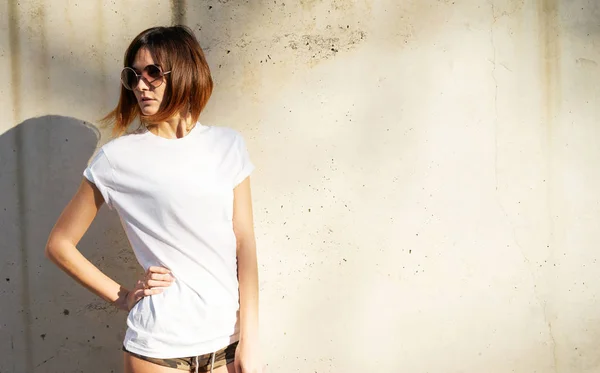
52,249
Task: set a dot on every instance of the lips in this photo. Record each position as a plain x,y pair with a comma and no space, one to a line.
146,99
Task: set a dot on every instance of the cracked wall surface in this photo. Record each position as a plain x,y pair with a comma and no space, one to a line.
426,191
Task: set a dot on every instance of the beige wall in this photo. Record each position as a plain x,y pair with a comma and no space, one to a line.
426,195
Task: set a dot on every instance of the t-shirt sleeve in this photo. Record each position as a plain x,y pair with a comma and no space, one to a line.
99,173
243,165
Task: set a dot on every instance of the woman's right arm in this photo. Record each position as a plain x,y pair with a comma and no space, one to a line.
61,248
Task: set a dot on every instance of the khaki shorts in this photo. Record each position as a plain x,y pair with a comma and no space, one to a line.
201,363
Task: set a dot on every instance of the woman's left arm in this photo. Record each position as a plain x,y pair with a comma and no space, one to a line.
247,354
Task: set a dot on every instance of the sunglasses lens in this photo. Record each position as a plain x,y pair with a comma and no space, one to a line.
154,75
129,78
154,72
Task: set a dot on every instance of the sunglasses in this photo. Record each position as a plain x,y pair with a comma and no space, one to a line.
152,75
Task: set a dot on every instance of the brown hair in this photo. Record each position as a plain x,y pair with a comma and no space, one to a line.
175,49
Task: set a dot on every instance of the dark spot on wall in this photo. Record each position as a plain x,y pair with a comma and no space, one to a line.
66,312
43,336
319,47
586,62
7,279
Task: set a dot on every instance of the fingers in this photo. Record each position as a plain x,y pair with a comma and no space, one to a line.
158,280
155,269
140,291
158,284
152,291
155,281
159,277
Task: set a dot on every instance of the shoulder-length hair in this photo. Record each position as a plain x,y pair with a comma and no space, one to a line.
188,86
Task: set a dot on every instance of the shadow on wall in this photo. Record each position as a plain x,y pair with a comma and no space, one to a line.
49,323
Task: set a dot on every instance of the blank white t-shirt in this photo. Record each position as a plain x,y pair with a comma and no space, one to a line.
175,200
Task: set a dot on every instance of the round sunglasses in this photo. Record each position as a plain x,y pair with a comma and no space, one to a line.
152,75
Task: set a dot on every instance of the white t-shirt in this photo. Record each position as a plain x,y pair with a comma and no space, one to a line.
175,201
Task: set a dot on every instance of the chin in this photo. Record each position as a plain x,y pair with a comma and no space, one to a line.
148,111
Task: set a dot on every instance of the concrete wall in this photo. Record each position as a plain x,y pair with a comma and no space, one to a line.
426,195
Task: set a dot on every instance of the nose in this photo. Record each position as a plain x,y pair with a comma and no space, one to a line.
142,85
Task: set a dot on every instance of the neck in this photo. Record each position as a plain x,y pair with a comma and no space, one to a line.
176,127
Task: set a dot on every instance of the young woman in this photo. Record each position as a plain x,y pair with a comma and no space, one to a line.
182,192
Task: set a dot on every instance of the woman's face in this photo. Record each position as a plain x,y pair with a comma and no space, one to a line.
148,97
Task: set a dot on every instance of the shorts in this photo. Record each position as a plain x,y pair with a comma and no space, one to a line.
201,363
